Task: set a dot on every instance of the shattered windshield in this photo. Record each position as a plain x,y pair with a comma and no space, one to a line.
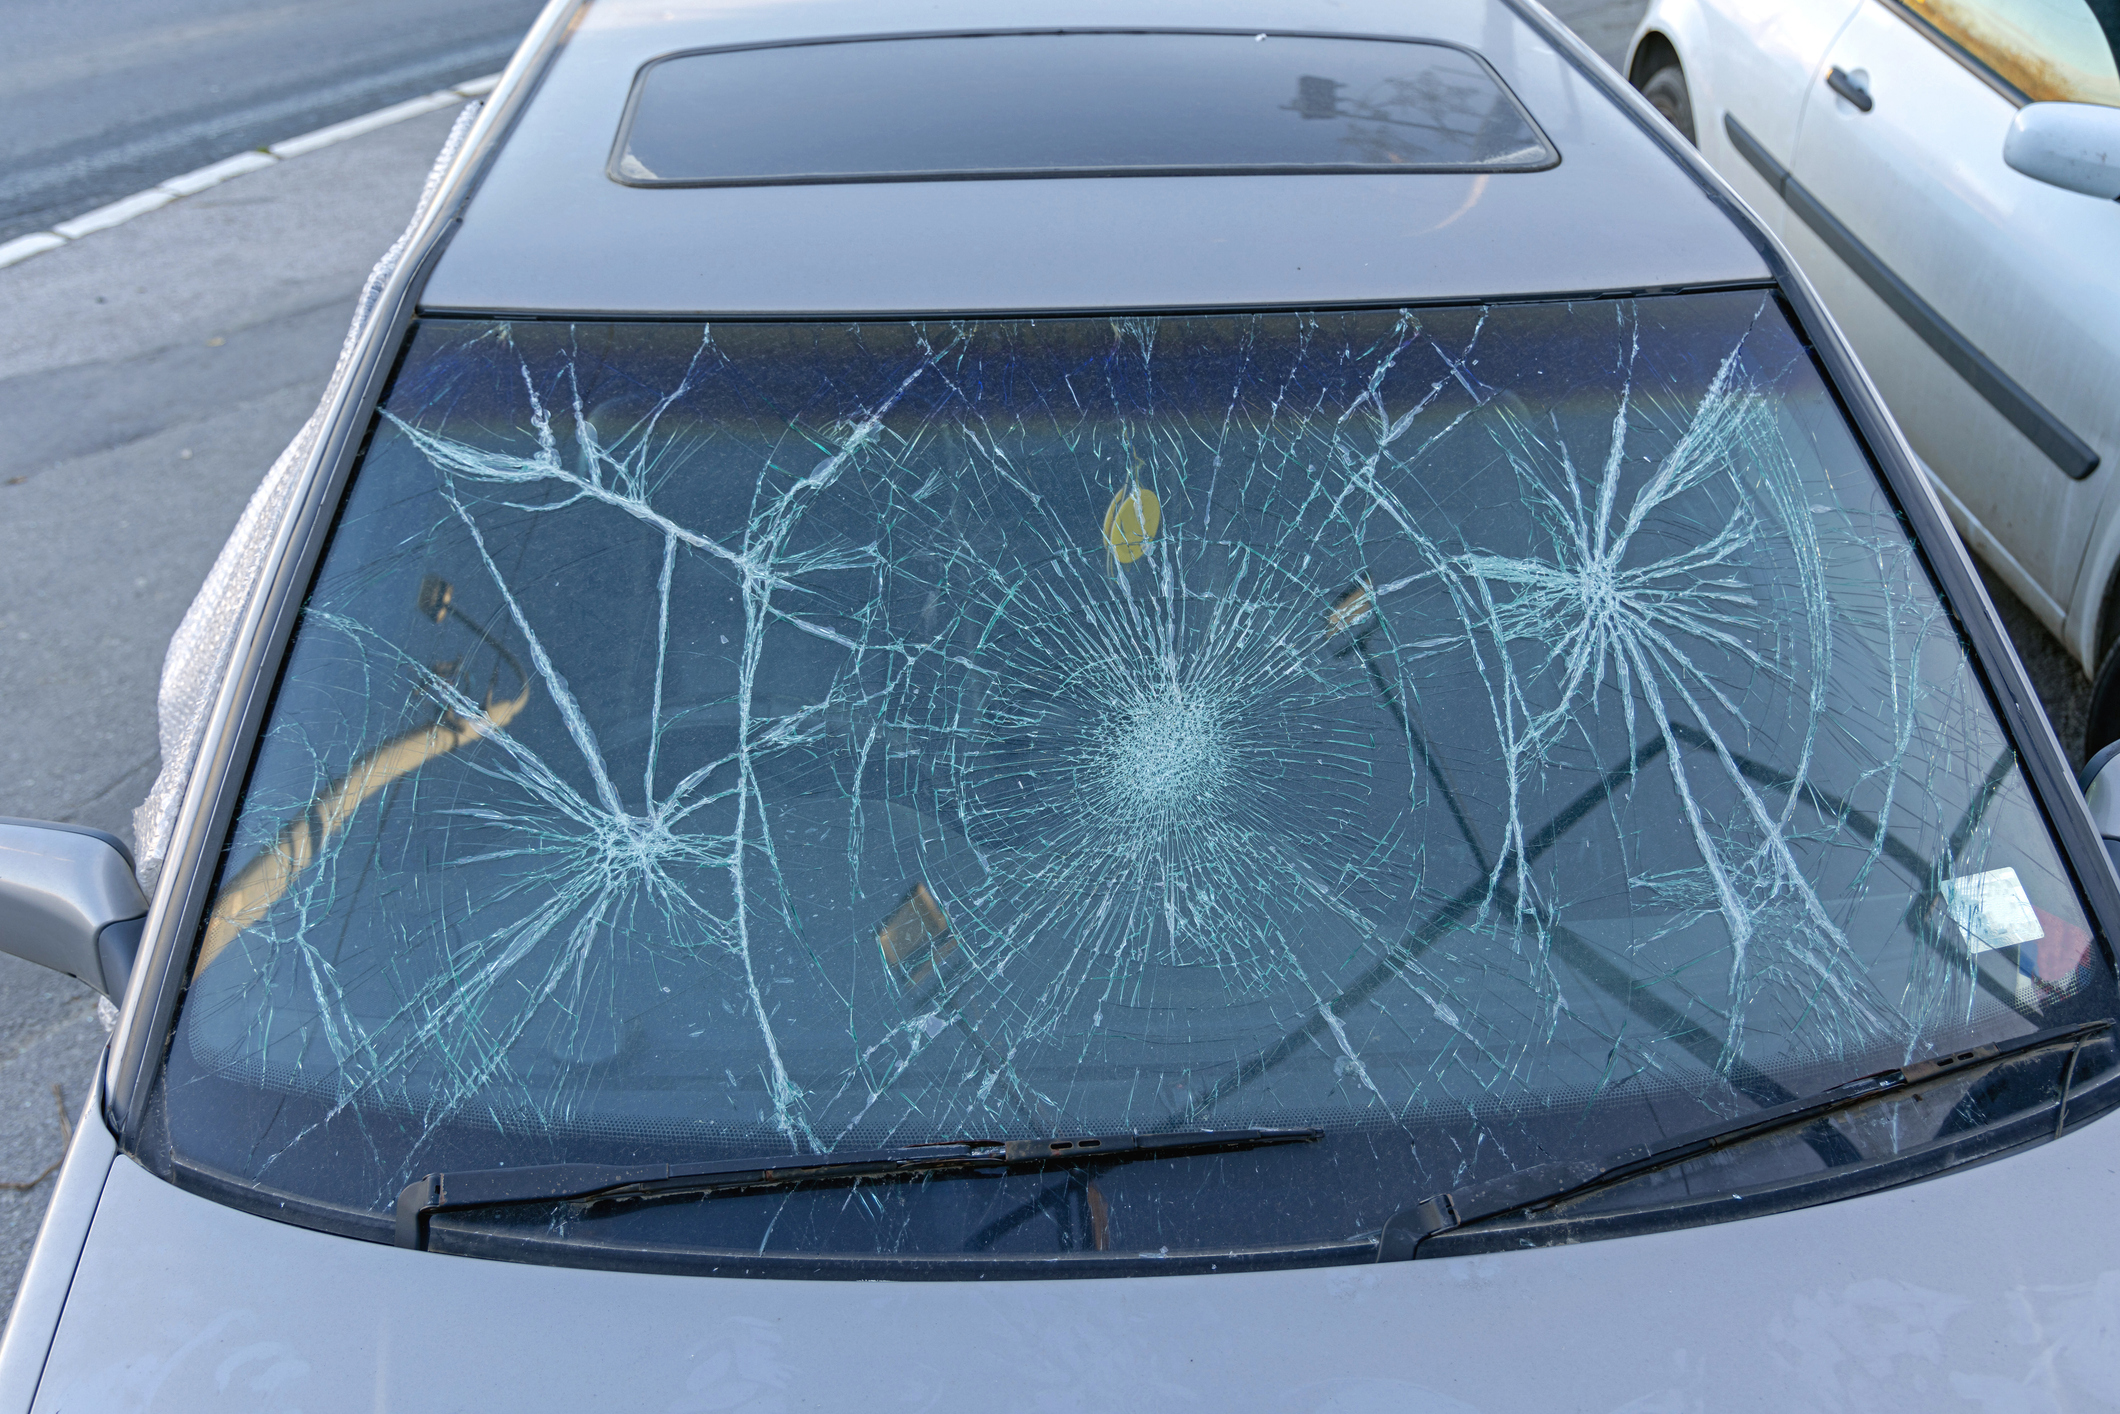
1482,735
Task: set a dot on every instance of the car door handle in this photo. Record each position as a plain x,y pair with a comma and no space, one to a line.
1839,81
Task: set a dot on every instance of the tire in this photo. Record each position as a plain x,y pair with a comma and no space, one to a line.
1667,93
2101,716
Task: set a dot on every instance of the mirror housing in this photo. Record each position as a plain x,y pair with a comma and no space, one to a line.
69,901
2070,145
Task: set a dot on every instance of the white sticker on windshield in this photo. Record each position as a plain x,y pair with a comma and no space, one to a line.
1992,909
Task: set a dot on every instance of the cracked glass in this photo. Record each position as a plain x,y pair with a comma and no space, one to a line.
1483,735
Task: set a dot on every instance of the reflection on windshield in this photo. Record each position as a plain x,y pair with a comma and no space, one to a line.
250,895
1514,730
1437,108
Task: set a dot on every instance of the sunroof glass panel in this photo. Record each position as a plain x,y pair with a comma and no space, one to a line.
1069,104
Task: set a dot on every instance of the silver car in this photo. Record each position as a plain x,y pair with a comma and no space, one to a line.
1162,705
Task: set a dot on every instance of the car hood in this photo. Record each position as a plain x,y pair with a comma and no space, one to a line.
1996,1287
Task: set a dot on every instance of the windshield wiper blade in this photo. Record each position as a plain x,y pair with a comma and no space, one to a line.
1526,1191
579,1183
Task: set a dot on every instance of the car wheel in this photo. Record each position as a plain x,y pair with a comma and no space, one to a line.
2101,716
1667,93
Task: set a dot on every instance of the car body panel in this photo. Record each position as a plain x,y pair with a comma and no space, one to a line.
1921,1298
1762,54
47,1279
1077,243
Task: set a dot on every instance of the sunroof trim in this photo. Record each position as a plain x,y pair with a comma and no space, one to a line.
1549,157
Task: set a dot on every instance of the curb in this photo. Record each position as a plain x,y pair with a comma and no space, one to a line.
118,212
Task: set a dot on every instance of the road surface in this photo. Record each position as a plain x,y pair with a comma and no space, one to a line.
102,98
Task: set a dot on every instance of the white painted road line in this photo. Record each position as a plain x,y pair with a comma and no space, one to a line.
23,247
117,213
366,123
219,172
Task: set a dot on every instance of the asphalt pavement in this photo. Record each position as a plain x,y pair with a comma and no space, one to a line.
103,98
151,373
1604,25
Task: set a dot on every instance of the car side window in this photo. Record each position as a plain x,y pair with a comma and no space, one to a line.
2048,50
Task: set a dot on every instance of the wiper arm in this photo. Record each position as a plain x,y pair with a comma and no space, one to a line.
1527,1191
580,1183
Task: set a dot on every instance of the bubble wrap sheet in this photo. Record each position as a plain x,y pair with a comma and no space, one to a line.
205,642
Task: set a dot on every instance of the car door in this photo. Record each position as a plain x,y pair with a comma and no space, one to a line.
1982,301
1757,65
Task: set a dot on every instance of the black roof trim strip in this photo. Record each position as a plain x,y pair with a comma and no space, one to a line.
1100,311
2027,414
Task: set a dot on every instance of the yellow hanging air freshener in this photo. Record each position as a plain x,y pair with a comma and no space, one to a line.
1131,523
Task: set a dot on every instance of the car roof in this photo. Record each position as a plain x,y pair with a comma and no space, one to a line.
548,231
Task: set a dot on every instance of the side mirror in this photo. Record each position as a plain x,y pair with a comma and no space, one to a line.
2072,145
69,901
